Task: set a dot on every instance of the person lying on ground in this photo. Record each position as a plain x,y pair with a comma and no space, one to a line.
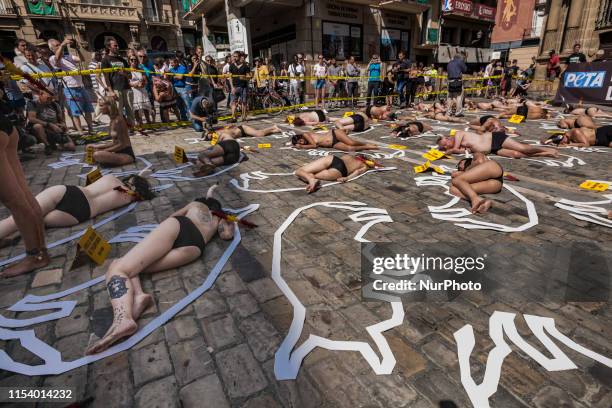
335,138
582,121
498,143
333,168
66,205
224,153
528,109
357,122
177,241
118,151
582,137
592,111
490,123
242,131
46,122
379,112
410,129
475,176
441,116
309,118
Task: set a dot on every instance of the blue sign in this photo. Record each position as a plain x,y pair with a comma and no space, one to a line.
590,79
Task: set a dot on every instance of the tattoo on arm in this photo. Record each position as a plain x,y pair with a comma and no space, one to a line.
116,287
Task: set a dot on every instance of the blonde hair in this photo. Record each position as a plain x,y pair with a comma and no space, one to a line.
113,109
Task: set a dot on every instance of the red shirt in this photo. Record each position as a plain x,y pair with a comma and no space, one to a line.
552,62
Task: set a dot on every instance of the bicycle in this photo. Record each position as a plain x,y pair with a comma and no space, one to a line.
265,99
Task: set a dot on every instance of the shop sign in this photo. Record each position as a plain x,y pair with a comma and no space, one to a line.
485,12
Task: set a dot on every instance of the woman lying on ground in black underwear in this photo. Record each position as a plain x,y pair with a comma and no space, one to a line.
177,241
475,176
582,121
118,151
528,109
357,122
443,117
309,118
582,137
333,168
411,128
224,153
489,123
591,111
379,112
65,206
237,132
335,138
497,142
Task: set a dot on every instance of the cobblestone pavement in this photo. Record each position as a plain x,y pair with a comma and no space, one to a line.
219,351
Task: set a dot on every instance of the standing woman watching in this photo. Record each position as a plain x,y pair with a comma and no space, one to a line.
18,198
352,85
374,80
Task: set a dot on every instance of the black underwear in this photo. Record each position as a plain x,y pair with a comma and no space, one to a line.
576,124
6,125
603,136
321,115
368,111
338,164
242,133
523,110
127,150
75,203
484,118
334,138
419,125
497,141
500,178
189,235
212,204
231,151
359,123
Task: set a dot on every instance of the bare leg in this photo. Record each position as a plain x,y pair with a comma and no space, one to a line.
309,173
345,123
347,148
529,150
250,131
483,174
343,138
16,196
89,120
112,159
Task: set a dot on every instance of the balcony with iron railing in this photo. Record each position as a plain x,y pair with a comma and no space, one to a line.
162,17
604,17
7,9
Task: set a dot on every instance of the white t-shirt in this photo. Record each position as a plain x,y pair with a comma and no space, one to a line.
226,68
320,70
296,70
67,63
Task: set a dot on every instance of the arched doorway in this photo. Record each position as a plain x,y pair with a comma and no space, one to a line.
102,37
158,44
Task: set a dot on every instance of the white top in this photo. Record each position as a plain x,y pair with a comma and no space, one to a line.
320,70
226,68
38,69
67,63
296,70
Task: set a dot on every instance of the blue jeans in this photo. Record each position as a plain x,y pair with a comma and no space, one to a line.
184,102
399,86
197,125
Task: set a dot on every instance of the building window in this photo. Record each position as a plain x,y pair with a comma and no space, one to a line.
342,41
448,35
392,42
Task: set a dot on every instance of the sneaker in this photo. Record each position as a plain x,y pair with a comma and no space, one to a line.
304,108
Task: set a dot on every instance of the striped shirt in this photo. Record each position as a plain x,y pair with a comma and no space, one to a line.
94,81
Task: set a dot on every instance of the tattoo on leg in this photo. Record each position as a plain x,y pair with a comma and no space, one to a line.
116,287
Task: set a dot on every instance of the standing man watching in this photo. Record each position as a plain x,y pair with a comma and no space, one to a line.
117,82
239,71
147,66
297,85
353,72
401,70
553,69
77,99
374,80
227,81
181,87
576,56
333,71
456,68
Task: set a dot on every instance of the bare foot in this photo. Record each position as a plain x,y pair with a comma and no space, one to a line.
276,129
117,331
30,263
610,215
481,206
141,303
312,187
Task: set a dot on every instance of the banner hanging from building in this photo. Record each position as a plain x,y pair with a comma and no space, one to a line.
590,82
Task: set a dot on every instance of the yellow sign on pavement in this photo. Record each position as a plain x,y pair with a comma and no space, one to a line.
264,145
433,155
93,176
516,119
179,155
89,154
422,167
594,185
96,247
397,147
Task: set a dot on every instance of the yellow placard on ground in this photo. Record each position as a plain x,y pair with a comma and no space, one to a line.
397,147
93,176
433,155
89,153
347,114
321,127
422,167
290,119
453,132
516,119
438,169
264,145
594,186
96,247
214,139
179,155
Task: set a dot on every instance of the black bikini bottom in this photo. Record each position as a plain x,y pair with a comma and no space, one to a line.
497,141
231,151
338,164
189,235
75,203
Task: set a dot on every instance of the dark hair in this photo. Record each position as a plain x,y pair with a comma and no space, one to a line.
296,138
568,109
299,122
19,41
467,162
108,41
141,186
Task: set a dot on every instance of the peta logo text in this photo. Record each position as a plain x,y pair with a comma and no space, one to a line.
594,79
